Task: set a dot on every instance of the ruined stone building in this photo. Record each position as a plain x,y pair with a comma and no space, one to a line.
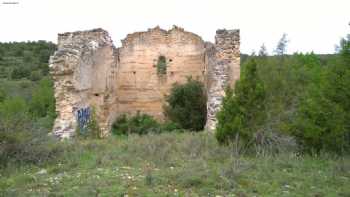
90,73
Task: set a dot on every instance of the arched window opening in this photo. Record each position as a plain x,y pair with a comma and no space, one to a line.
161,65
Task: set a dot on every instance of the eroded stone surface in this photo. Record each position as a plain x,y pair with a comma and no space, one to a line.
139,86
82,70
223,70
90,72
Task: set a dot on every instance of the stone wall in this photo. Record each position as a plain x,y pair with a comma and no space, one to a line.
139,86
90,73
223,70
82,69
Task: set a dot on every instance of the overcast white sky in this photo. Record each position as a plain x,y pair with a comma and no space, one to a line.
311,25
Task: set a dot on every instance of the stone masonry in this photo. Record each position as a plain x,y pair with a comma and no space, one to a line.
223,71
92,76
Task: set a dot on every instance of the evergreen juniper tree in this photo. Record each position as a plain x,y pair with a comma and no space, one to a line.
243,109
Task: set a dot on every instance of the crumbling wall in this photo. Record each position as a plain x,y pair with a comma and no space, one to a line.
83,70
140,87
90,74
223,70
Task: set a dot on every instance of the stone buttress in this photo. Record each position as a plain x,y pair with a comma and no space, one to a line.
223,70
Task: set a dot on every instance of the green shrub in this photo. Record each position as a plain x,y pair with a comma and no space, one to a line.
20,141
170,126
2,94
24,83
138,124
29,147
322,121
43,102
35,75
320,125
13,115
20,72
186,105
242,111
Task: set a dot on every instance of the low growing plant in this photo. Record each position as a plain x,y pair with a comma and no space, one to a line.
141,124
138,124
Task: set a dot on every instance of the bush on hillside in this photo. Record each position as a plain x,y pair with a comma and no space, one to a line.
186,105
28,147
20,142
320,125
322,121
43,102
36,75
13,115
20,72
2,94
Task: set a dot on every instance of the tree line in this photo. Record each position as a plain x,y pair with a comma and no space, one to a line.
303,96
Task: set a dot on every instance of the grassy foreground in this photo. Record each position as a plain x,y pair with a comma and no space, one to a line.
174,164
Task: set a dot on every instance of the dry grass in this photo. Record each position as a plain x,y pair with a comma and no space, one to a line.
173,164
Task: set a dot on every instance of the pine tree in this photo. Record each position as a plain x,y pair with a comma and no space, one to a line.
263,51
282,45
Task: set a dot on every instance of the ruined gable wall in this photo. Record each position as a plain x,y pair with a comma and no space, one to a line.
81,70
89,72
139,86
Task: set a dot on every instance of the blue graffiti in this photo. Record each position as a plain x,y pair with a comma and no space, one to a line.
83,116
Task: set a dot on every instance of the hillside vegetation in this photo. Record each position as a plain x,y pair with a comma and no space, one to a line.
304,96
173,164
